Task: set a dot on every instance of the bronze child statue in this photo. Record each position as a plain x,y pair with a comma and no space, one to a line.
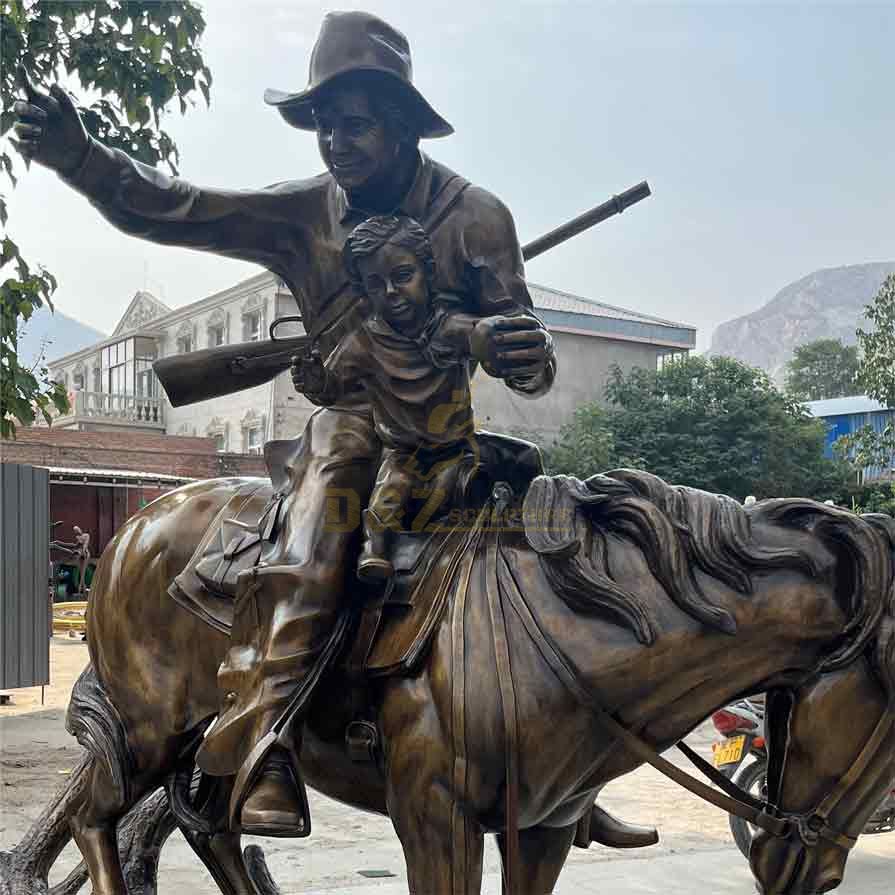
412,356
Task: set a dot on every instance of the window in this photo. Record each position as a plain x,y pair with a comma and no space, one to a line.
184,344
218,430
126,368
253,319
215,336
252,326
254,440
253,427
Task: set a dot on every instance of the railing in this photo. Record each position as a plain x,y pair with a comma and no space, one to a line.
124,408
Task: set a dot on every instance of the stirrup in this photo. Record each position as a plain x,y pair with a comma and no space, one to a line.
278,781
252,773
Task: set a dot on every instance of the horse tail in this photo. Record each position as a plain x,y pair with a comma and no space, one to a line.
94,722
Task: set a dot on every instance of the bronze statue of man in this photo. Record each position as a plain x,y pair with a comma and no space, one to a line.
369,119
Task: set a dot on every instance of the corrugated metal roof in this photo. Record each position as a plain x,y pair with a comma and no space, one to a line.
127,474
843,406
548,299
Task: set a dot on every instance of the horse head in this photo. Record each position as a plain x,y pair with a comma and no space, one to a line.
831,720
831,747
832,753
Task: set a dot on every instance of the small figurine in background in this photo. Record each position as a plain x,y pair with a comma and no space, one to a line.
412,356
82,551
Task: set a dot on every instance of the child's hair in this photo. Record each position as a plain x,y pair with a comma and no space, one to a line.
367,238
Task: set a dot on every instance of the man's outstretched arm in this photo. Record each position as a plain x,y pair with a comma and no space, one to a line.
143,201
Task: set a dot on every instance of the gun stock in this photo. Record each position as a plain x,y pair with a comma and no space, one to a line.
214,372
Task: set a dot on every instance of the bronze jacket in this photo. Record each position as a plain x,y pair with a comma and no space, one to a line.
296,229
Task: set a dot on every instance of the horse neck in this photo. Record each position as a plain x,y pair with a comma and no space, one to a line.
784,629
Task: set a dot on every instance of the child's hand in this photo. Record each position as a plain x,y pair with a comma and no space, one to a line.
308,373
480,346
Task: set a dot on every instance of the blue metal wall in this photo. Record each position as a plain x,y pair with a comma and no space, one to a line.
846,424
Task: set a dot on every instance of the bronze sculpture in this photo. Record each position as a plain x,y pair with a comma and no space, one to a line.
706,600
521,589
369,118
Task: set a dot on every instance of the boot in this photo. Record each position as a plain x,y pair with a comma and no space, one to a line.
605,829
274,806
286,631
374,564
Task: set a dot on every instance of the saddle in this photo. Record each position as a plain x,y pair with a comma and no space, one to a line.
391,630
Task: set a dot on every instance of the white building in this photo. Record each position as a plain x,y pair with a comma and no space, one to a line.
111,384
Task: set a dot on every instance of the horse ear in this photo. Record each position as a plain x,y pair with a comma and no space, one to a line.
549,514
604,487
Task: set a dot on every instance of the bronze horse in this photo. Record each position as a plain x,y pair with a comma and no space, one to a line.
663,602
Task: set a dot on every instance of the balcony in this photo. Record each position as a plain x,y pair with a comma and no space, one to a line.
98,410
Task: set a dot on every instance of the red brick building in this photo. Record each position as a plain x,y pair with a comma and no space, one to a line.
99,479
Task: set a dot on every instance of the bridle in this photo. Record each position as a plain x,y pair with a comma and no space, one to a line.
810,827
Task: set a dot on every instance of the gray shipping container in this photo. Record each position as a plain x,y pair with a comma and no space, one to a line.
25,612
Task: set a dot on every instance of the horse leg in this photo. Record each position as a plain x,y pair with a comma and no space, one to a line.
442,847
542,855
94,827
220,851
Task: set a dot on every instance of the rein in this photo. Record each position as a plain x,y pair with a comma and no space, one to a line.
810,827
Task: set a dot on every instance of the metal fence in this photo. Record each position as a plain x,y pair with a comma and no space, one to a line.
25,618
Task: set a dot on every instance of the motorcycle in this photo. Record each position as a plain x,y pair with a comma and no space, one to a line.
741,725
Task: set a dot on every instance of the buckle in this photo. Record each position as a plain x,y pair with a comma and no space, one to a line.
362,740
809,828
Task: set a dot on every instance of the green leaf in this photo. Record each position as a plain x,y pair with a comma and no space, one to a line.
138,55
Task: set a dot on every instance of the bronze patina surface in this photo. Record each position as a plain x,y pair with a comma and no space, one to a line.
608,616
706,601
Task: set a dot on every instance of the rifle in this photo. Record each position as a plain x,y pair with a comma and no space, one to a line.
214,372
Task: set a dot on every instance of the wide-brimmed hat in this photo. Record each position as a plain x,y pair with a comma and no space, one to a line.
351,43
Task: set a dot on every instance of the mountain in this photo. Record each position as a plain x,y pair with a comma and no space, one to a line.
53,335
828,303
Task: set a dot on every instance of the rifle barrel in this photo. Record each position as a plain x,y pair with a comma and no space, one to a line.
616,205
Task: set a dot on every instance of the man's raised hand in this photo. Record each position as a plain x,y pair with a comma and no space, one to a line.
49,128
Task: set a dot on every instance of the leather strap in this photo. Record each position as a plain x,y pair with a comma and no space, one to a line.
459,820
554,658
508,702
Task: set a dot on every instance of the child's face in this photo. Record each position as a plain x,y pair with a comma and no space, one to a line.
396,284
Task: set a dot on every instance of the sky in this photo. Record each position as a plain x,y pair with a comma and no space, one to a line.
766,132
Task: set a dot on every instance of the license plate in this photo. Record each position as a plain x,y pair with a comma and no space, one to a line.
728,752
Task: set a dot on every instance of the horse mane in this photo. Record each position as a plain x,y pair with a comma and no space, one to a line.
678,530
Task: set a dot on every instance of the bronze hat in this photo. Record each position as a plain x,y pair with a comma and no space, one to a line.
351,42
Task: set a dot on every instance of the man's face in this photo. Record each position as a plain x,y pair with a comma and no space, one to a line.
356,145
396,284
